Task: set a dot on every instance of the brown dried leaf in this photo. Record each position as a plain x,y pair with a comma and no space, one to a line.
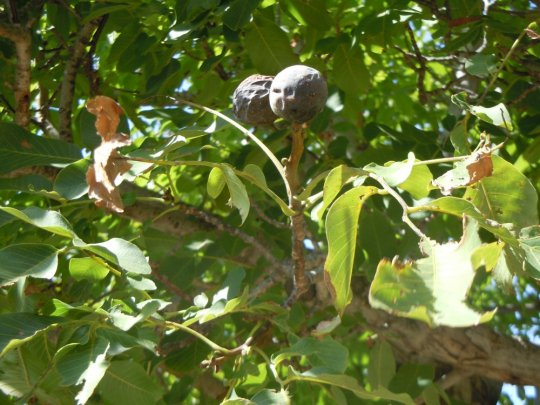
104,175
479,166
107,112
532,34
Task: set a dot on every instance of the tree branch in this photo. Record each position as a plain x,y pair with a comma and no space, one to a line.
22,39
70,74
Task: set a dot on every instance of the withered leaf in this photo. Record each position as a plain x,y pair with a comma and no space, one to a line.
104,175
479,166
107,112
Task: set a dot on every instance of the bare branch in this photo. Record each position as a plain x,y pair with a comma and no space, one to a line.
76,53
22,39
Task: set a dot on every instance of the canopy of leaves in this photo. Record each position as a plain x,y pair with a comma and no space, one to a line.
153,250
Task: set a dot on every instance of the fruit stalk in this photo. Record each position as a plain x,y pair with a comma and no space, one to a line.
301,282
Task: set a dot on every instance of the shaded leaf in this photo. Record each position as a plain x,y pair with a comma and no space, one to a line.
127,382
382,365
239,13
27,259
29,182
237,191
349,72
311,13
16,328
481,65
341,233
432,289
20,148
71,183
268,46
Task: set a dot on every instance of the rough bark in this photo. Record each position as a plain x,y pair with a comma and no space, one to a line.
22,39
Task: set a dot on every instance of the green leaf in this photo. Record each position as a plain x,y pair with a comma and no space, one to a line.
268,46
458,137
487,256
27,259
497,115
395,173
507,196
334,182
412,378
71,183
310,13
323,376
481,65
187,358
83,365
29,182
529,241
255,175
239,13
349,72
86,268
216,182
237,191
418,184
50,221
126,382
324,353
271,397
341,232
382,365
17,328
433,289
20,148
124,254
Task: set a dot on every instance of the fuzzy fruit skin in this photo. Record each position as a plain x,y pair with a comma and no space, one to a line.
251,101
298,93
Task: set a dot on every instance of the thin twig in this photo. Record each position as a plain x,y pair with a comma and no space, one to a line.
422,62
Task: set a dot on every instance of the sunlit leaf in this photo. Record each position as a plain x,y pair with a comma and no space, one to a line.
497,115
27,259
50,221
432,289
341,233
16,328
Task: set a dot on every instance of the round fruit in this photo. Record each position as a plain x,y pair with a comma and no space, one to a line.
251,103
298,93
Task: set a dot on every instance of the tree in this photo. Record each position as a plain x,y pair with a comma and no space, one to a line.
387,250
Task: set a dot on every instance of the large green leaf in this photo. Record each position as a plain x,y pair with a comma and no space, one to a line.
29,182
349,71
51,221
418,184
268,46
126,382
341,231
496,115
507,196
20,148
16,328
432,289
529,241
27,259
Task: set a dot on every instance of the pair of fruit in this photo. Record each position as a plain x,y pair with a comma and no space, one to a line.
297,94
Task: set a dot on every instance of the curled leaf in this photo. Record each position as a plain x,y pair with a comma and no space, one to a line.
104,175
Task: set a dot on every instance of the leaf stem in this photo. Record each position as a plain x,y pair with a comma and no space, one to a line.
405,217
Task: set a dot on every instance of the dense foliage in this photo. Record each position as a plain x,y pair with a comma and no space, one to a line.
253,265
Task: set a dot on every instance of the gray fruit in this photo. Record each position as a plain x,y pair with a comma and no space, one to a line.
251,103
298,93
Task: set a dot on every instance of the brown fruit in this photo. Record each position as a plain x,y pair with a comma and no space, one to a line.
251,103
298,93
